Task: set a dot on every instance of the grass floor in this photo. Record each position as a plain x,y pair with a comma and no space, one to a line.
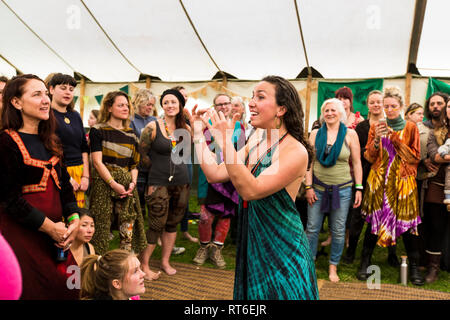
346,272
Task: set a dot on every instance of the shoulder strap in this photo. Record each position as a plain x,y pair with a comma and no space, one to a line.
273,147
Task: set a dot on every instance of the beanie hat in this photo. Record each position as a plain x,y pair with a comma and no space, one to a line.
176,93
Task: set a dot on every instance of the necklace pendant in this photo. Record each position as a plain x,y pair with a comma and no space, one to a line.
66,120
170,178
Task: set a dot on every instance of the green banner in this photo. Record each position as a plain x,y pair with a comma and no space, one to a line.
360,91
99,99
437,86
125,89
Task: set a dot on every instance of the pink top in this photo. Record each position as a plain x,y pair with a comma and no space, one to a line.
135,298
10,275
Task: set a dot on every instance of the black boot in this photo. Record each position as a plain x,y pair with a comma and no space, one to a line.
415,276
362,271
370,241
412,250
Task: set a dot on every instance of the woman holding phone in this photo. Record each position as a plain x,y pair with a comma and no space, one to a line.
391,204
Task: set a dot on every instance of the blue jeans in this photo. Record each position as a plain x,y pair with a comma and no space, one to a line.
336,220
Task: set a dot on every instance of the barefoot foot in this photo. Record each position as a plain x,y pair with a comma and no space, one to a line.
169,270
150,275
332,273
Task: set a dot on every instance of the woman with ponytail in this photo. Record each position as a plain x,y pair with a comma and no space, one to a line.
116,275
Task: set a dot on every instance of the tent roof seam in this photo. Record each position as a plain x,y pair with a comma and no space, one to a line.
109,38
37,36
199,38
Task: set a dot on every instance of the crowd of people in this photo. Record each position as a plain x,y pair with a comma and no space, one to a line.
261,183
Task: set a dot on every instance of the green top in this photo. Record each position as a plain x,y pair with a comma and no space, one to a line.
337,174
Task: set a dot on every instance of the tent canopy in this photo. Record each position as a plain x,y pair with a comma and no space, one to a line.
194,40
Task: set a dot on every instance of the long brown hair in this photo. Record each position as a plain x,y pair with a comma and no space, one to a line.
443,95
286,95
12,117
108,102
180,120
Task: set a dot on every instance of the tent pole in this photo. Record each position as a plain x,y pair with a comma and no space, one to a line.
82,91
224,82
148,82
308,103
416,33
408,89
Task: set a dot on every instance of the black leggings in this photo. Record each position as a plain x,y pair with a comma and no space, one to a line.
412,245
355,227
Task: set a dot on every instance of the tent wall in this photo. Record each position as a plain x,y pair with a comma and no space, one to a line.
202,93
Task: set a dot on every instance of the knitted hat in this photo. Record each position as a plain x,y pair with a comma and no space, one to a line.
176,93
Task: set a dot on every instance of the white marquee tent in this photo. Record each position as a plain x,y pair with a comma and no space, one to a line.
213,45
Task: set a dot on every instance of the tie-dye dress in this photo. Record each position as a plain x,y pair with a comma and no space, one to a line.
391,203
273,260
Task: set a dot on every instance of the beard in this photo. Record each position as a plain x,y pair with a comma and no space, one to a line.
435,115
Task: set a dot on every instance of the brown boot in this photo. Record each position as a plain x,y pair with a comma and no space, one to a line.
433,268
202,254
216,256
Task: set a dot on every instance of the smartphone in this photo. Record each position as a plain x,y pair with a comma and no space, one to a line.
384,123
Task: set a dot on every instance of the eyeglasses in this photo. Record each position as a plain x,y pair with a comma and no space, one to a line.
223,104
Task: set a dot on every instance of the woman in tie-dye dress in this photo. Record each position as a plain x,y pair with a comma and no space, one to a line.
391,203
273,258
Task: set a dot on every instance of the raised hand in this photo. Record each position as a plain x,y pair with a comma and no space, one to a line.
195,118
220,126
